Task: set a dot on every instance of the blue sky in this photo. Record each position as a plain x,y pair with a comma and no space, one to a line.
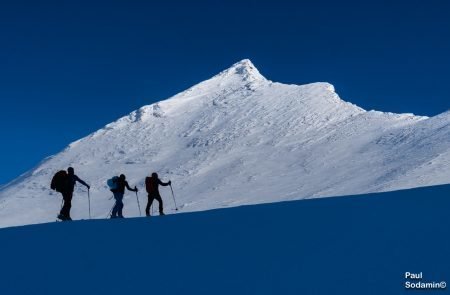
68,68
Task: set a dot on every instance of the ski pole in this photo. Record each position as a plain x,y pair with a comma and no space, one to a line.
89,201
173,196
110,211
139,206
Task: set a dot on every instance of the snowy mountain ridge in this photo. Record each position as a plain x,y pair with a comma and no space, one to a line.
238,139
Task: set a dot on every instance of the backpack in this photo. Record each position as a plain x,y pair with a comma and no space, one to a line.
112,182
150,185
59,181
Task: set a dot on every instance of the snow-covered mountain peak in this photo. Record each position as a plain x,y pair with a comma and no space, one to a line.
238,138
243,69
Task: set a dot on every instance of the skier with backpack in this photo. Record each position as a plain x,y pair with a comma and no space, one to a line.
152,186
117,186
64,183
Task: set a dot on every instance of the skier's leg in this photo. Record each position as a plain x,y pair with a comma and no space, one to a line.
65,210
69,204
116,206
61,212
149,204
159,199
120,205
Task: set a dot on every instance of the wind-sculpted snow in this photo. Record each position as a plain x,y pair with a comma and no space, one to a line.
238,139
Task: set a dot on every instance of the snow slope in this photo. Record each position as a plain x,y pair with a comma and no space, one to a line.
238,139
352,245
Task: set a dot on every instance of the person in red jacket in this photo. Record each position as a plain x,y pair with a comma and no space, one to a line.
152,185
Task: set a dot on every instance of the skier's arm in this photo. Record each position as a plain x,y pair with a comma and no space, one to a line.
129,188
82,182
164,183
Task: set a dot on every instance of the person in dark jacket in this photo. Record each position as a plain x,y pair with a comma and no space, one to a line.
67,193
152,185
118,196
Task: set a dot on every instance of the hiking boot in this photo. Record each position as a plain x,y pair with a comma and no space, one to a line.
113,216
61,217
161,213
